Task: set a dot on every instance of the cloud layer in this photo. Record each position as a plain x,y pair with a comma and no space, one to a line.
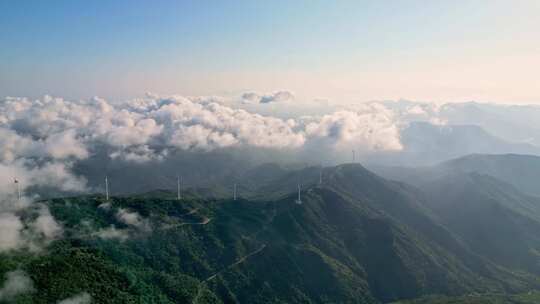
278,96
46,136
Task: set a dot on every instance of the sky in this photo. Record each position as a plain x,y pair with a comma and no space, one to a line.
340,51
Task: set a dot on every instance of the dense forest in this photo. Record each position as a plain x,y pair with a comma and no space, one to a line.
354,237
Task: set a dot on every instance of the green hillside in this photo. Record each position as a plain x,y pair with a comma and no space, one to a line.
525,298
357,238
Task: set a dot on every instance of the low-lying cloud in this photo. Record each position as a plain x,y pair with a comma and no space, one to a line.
278,96
133,219
32,232
16,283
112,233
82,298
134,223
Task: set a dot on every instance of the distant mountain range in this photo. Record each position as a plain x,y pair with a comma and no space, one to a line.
432,133
520,171
513,123
427,144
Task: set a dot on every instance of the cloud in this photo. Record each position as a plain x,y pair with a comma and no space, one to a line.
209,125
135,222
11,227
64,145
45,225
133,219
139,154
60,132
30,232
105,206
16,283
112,233
82,298
278,96
369,127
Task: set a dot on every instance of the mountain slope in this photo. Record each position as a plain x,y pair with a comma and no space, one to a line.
521,171
357,238
428,144
494,219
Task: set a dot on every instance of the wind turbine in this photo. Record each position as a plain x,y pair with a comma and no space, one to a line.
106,188
16,181
299,201
178,189
320,175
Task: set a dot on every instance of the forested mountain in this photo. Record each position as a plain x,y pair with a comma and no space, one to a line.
354,238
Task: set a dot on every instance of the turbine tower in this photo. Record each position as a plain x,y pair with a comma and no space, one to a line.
320,175
299,201
106,188
16,181
178,189
353,156
234,192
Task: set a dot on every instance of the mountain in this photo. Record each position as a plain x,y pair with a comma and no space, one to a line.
493,218
130,177
488,201
517,123
357,238
428,144
531,297
520,171
513,123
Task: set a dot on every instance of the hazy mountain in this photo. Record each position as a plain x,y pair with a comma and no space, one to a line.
488,201
492,217
513,123
520,171
427,144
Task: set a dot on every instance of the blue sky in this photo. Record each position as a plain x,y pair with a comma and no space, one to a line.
343,51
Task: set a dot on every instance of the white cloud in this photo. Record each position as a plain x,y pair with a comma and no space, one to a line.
278,96
45,224
133,219
139,130
139,154
11,227
209,125
32,233
16,283
105,206
82,298
135,222
65,144
112,233
369,127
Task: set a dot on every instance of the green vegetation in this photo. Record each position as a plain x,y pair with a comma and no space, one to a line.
525,298
357,239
